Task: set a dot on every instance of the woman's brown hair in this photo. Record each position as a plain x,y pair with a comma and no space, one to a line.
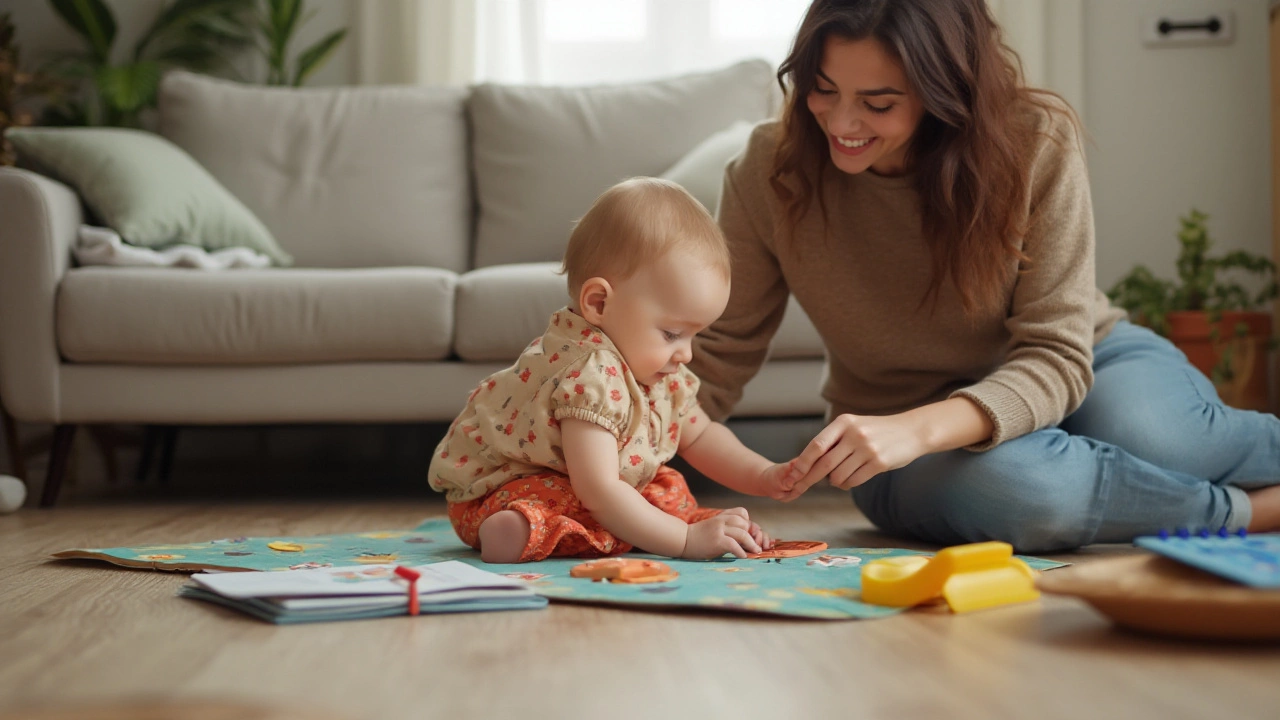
970,156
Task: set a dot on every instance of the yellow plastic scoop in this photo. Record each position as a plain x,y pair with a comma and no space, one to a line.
968,577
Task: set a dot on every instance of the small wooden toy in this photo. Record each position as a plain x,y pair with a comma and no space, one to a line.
624,570
969,577
1159,595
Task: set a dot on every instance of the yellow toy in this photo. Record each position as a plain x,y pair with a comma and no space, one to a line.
968,577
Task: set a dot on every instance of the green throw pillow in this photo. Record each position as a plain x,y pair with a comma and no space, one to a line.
146,188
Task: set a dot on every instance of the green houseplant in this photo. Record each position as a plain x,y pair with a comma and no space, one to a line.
199,35
275,32
1221,325
18,89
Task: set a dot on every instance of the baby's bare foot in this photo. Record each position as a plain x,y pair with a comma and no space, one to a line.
1266,509
503,536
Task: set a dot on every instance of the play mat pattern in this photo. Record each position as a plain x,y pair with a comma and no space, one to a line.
825,585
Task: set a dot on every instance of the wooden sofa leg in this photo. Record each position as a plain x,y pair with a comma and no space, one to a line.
59,454
169,442
149,440
17,464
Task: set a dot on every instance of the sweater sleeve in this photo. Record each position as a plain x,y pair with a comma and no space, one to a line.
730,352
1048,367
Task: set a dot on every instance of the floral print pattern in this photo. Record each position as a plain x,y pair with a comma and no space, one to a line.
558,524
510,427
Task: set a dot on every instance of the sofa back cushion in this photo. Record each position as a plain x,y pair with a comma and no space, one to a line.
541,155
343,177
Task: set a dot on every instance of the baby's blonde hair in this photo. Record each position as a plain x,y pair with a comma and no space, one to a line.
637,222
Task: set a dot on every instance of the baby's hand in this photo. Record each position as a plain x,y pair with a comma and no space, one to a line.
778,481
728,532
761,537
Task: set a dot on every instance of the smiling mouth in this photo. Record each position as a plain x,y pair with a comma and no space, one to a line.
856,146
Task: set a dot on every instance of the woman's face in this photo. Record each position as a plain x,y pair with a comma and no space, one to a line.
863,103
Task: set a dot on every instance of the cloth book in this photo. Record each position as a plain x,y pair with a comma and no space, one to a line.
360,591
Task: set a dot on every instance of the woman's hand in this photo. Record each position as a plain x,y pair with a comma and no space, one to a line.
855,448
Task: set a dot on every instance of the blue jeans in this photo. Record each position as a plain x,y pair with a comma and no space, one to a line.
1150,447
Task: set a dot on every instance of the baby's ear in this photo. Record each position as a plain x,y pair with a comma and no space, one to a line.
592,298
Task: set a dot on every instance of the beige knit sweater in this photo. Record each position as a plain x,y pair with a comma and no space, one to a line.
1027,365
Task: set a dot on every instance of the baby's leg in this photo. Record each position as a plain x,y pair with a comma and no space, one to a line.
503,537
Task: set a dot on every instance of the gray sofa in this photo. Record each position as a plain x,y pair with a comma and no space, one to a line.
425,223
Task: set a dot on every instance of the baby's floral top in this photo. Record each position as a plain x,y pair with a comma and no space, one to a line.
511,424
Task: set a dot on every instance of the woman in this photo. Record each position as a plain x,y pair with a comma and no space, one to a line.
933,218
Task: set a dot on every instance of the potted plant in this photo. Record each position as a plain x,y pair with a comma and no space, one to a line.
275,32
17,88
1222,326
199,35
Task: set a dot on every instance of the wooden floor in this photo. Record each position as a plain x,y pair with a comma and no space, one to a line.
87,634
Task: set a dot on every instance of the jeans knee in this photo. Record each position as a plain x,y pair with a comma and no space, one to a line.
1023,504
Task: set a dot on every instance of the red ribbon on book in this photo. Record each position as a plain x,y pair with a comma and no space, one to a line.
412,576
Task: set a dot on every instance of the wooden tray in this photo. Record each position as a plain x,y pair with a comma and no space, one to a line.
1158,595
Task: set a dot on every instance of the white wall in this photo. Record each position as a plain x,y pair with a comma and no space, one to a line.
41,31
1174,128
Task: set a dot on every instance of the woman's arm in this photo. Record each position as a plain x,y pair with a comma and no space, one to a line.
730,352
855,448
1048,369
591,456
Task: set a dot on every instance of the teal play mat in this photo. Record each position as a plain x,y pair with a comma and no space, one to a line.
824,585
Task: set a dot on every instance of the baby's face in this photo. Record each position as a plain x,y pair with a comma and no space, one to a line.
654,314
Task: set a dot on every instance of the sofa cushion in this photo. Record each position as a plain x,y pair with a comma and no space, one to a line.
543,154
344,177
163,316
500,309
146,188
701,171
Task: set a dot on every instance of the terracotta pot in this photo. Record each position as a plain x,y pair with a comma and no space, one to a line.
1191,331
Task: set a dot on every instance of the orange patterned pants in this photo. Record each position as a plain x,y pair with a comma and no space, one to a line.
558,524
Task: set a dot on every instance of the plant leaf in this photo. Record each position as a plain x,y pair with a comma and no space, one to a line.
126,89
284,16
313,57
93,20
178,16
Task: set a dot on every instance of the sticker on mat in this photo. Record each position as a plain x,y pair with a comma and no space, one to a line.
835,561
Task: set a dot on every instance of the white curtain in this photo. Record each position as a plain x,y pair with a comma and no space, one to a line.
415,42
572,42
563,42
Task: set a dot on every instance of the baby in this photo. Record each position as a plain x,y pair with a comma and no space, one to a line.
565,452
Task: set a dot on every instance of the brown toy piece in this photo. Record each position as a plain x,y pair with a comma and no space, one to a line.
789,548
624,570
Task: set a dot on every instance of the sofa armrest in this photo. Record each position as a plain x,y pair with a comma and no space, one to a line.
39,220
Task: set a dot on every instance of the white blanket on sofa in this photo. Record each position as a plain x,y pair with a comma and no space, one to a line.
103,246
